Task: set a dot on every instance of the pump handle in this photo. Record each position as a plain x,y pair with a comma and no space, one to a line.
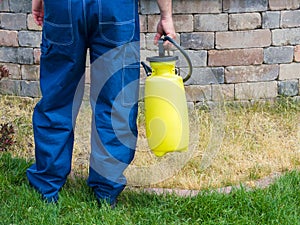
186,56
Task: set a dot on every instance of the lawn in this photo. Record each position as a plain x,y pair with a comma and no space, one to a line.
20,204
232,145
229,145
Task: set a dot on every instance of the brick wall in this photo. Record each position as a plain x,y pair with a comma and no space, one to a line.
246,49
19,48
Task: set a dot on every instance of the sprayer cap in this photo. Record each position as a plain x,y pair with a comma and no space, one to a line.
162,58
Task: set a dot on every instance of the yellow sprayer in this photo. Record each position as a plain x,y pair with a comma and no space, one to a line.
166,112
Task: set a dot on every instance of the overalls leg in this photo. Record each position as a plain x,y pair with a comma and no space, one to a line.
114,95
62,67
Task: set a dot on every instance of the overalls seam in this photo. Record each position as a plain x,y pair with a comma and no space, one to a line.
118,23
59,25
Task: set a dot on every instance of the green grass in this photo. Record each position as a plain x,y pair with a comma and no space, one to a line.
20,204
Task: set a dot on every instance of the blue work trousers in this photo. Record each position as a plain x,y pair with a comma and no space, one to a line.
110,30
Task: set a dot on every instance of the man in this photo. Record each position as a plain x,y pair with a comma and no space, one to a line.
110,30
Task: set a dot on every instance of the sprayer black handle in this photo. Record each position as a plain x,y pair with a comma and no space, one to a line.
186,56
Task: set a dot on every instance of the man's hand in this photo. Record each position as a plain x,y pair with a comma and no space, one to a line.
38,11
165,25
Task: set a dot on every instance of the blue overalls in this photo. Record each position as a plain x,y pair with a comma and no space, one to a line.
110,31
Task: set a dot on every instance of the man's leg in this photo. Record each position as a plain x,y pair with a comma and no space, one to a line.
114,94
62,66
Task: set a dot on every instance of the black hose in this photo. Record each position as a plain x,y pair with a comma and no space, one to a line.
186,56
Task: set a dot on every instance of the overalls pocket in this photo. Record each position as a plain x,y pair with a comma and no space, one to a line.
57,26
117,21
130,84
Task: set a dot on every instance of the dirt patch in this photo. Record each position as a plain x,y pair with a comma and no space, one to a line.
251,185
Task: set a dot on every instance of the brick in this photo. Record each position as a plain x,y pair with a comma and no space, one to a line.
197,40
148,7
30,89
9,38
4,6
235,57
289,71
286,4
142,41
297,53
198,58
288,88
147,53
181,6
150,41
273,55
286,36
196,6
183,23
31,25
13,21
234,6
16,55
190,106
86,94
241,74
290,19
206,75
243,39
23,6
10,87
258,90
211,22
271,20
152,23
224,92
143,23
183,72
244,21
14,71
30,38
30,72
197,93
88,75
37,55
